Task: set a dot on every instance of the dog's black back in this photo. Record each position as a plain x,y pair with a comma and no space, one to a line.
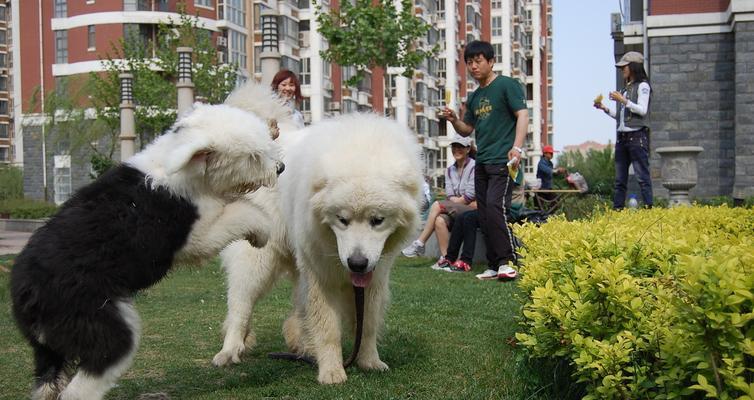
111,239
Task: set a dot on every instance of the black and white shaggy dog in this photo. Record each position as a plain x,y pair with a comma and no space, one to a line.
181,199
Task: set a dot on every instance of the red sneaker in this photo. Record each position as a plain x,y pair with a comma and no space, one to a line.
460,266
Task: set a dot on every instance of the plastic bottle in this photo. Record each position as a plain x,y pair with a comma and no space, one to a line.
632,202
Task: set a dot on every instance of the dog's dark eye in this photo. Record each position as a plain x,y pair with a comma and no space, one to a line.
376,221
343,220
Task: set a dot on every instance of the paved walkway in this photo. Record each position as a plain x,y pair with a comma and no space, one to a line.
12,242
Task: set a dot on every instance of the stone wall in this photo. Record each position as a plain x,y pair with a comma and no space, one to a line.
744,128
33,173
694,104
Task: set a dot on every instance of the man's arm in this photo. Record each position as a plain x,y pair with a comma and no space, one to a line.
522,126
461,127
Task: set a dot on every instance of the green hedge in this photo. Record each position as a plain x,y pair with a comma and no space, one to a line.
26,209
11,183
644,304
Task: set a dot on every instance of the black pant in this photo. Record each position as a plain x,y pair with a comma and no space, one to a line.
464,232
493,195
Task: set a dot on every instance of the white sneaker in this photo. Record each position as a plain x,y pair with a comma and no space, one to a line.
414,249
488,274
506,272
441,265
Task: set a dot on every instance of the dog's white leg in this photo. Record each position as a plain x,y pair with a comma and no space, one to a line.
238,220
250,273
86,386
322,323
375,304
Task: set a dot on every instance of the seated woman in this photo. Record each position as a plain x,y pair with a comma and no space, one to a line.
459,192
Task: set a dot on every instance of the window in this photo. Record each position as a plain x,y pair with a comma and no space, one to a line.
203,3
3,37
421,93
303,4
421,125
235,12
238,49
61,47
3,107
290,64
61,8
288,30
469,14
3,83
3,58
4,154
440,6
90,36
497,4
2,13
498,48
136,5
257,59
497,26
350,106
441,68
62,178
306,72
4,131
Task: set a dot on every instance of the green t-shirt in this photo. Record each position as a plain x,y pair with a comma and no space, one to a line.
490,110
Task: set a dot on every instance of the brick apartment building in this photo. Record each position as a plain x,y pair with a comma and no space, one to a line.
65,39
699,55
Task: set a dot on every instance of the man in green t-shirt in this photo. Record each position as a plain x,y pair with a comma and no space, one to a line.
497,112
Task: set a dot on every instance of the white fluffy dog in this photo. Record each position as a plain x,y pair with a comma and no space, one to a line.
180,199
348,200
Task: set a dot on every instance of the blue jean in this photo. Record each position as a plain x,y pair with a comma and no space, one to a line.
632,148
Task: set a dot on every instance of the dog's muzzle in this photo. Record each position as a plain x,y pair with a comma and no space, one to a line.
280,168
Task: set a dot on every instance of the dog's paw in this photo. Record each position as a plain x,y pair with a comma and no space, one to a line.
258,238
227,357
372,365
332,376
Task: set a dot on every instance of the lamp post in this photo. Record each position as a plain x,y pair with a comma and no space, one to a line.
185,84
127,124
270,56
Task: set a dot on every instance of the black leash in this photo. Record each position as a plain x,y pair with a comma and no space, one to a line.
358,296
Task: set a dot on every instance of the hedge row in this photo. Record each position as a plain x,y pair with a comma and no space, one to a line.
645,304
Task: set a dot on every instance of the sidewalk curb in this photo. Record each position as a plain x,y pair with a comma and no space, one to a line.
21,225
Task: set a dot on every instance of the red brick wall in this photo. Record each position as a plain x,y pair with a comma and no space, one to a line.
664,7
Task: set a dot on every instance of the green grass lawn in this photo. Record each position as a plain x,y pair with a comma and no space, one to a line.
446,337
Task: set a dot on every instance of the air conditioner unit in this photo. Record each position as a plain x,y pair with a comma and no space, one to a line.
222,57
334,106
222,41
303,39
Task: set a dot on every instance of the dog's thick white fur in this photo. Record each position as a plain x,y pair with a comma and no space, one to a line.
180,199
346,204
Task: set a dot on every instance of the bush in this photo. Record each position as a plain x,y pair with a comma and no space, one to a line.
26,209
645,304
11,183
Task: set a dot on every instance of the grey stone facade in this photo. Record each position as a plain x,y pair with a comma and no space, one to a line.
695,87
744,128
33,173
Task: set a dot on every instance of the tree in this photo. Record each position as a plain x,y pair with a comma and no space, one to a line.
372,33
154,65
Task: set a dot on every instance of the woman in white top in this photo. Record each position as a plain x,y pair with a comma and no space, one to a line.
286,85
460,197
632,121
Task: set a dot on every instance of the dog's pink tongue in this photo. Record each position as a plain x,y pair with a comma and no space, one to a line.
361,280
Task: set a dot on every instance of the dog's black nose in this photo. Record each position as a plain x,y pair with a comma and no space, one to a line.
357,263
281,168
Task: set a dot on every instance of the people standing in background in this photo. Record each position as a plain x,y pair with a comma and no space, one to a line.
286,85
632,121
546,169
497,112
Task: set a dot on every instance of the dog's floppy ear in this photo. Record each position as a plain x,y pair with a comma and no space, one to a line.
193,152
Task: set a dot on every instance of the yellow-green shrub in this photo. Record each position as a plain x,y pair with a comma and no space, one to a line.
645,304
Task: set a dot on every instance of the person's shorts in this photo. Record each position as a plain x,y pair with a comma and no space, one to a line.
449,211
